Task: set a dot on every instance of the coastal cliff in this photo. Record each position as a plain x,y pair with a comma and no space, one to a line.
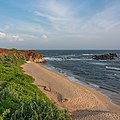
20,99
27,55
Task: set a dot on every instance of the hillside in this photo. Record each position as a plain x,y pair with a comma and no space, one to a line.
20,99
26,55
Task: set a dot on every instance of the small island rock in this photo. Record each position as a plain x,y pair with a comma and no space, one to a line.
109,56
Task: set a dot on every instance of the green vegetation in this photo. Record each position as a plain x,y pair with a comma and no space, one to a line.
20,99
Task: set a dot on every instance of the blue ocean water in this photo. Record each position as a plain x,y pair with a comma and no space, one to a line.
78,65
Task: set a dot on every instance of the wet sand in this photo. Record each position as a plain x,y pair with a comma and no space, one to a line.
82,102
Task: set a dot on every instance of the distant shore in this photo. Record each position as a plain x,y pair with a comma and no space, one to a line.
79,100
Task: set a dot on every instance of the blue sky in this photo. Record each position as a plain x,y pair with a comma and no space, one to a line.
60,24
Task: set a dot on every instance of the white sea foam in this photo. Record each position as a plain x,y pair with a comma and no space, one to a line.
87,54
98,63
72,55
94,85
77,59
53,59
112,68
61,59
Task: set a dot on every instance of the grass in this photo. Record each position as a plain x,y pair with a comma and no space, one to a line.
20,99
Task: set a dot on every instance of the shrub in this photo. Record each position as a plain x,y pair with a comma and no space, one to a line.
20,99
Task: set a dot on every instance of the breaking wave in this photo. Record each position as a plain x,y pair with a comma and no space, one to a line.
113,68
65,58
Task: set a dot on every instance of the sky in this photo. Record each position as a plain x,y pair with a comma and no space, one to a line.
60,24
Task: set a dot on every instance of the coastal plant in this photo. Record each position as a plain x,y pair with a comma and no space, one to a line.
20,99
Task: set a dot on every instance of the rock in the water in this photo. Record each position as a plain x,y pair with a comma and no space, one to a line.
109,56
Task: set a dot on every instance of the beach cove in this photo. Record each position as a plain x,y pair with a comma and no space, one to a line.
82,103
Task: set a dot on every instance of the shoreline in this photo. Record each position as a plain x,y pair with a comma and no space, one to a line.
109,94
105,92
67,94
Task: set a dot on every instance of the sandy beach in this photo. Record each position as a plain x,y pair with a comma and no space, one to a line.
83,103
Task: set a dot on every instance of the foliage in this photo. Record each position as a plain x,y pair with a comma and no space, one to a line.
20,99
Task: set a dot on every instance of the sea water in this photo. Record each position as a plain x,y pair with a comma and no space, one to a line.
78,65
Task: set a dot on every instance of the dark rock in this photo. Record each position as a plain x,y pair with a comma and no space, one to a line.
47,89
109,56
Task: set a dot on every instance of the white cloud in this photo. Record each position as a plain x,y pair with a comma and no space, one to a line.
64,23
2,35
61,16
54,8
44,37
11,38
104,20
16,38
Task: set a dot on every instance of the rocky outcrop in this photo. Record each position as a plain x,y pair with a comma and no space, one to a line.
33,56
109,56
27,55
3,52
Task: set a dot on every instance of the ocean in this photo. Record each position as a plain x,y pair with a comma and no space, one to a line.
78,66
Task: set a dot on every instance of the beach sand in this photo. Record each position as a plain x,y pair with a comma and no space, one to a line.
82,103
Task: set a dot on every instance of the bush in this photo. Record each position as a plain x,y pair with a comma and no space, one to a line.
20,99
